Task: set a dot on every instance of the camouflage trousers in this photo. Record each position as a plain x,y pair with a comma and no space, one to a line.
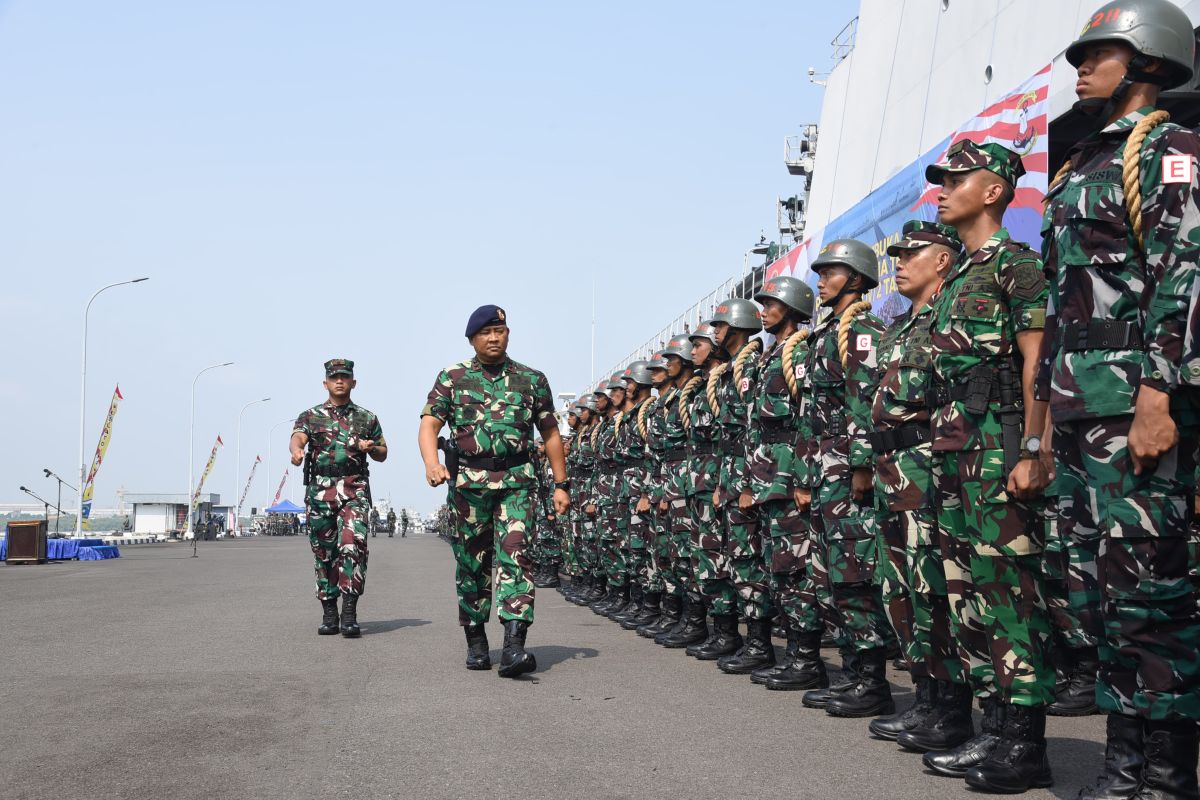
570,530
1140,601
912,582
681,528
613,537
710,565
844,537
637,546
585,544
492,529
661,578
337,510
744,551
991,550
786,548
1067,627
550,542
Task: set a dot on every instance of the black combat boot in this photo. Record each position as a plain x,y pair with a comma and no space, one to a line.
597,589
692,629
724,641
580,596
1077,697
974,751
1123,761
552,579
755,653
631,608
766,671
1170,769
871,694
350,627
670,611
649,613
514,660
329,617
1018,762
620,600
948,726
477,647
820,697
804,669
611,595
891,727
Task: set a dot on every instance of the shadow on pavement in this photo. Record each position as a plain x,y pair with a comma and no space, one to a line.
1075,762
387,625
549,655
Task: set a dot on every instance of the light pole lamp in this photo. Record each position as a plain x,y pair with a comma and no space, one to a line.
237,481
271,438
187,531
83,398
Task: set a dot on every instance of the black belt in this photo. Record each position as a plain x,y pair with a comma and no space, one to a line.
910,434
778,436
702,449
494,463
939,395
340,470
836,428
676,454
731,448
1100,335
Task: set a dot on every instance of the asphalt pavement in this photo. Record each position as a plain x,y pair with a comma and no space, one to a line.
162,676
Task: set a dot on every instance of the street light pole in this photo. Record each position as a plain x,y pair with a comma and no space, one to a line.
237,481
187,531
83,399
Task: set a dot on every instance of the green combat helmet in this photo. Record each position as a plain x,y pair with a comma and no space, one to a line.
615,381
588,402
680,345
704,331
1153,28
859,257
792,292
658,361
738,313
638,372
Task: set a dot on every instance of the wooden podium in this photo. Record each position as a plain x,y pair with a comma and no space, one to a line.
27,542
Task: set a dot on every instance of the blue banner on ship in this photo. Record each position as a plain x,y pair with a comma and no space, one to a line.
1018,121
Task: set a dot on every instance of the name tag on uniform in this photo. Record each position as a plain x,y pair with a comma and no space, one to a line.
1177,169
864,342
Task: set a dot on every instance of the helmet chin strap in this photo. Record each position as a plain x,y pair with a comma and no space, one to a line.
1102,108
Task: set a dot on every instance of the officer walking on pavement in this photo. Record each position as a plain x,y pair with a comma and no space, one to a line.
339,435
492,405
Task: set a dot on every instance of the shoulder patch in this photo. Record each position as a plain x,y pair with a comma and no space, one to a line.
1027,275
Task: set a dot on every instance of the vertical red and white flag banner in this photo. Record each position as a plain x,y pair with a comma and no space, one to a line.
207,469
246,491
98,458
279,491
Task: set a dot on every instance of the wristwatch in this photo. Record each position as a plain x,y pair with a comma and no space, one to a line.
564,485
1031,447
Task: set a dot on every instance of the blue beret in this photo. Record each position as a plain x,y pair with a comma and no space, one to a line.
483,317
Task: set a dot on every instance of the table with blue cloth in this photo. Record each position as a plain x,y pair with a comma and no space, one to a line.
68,549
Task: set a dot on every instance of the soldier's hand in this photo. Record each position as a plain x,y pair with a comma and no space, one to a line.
436,474
1028,479
803,498
662,505
860,483
745,500
716,499
1153,432
562,501
590,509
297,457
365,444
643,505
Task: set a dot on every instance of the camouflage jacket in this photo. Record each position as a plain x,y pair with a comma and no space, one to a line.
585,467
774,468
607,484
703,436
904,478
492,416
1099,273
734,393
669,438
632,453
333,434
840,399
655,446
989,297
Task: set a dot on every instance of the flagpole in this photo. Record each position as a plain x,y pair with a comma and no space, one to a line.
237,481
187,528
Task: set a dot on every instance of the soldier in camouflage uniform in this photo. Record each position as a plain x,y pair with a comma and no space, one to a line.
909,565
778,485
986,333
549,540
569,525
583,586
736,320
599,483
1116,375
633,455
339,435
841,373
612,518
493,404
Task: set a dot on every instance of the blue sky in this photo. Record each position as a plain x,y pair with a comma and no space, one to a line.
304,180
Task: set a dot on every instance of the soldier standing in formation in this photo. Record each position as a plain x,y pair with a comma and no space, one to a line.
1122,242
492,405
339,436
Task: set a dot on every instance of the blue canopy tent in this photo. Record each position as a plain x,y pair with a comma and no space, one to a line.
285,507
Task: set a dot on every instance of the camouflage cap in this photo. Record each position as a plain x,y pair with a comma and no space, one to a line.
918,233
967,156
339,366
